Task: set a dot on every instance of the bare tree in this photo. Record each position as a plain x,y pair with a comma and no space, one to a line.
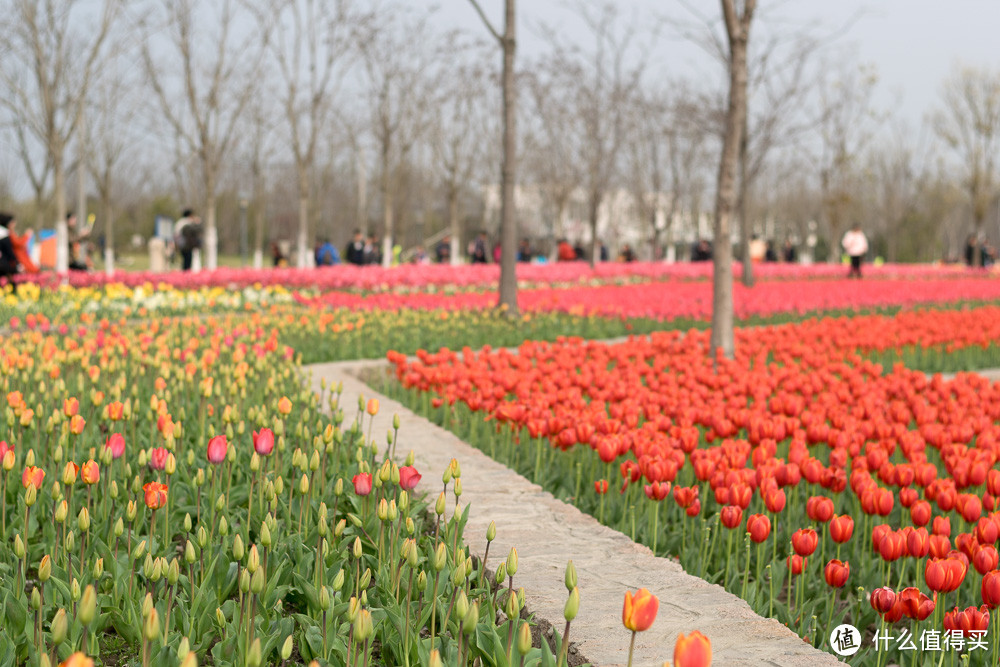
399,58
218,62
53,50
969,123
599,86
508,171
311,44
457,137
847,124
738,17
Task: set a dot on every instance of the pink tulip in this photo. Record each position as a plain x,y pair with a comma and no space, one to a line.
363,483
116,443
217,448
263,441
408,478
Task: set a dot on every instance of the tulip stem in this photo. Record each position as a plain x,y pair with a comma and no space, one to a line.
656,523
631,648
729,558
564,649
746,569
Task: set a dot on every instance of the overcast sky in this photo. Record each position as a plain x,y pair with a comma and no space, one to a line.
914,44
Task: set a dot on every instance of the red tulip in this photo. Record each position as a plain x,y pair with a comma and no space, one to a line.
684,496
362,483
941,526
731,516
836,573
892,547
915,604
155,495
987,531
883,600
217,448
263,441
774,500
601,486
944,574
796,563
819,508
694,509
920,513
918,542
968,621
695,650
639,611
991,589
841,528
985,558
408,478
33,476
805,541
759,527
116,443
657,490
158,458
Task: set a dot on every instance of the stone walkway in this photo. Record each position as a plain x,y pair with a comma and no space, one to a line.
548,532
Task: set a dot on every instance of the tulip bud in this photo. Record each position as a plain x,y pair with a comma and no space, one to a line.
8,460
183,648
357,547
83,520
70,540
170,467
202,537
512,562
501,573
363,626
253,559
238,548
524,639
151,629
220,618
338,581
87,608
254,654
187,523
366,579
18,547
340,527
265,535
324,598
74,590
113,488
62,509
139,550
254,462
572,605
279,486
257,582
458,487
173,572
45,569
570,578
119,528
512,609
435,659
189,555
223,526
286,648
304,485
440,504
491,531
446,476
461,605
458,574
36,599
147,567
59,627
98,569
244,580
220,503
30,495
29,459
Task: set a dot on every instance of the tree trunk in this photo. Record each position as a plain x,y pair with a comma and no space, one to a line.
595,207
62,232
744,218
453,224
301,240
258,217
211,238
738,28
508,217
109,237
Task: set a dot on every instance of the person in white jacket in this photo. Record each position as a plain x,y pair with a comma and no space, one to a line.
855,244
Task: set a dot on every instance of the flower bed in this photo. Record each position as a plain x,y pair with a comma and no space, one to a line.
802,476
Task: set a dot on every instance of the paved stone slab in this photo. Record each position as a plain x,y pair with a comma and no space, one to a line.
547,532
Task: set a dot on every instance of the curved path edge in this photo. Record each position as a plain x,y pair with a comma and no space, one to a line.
547,532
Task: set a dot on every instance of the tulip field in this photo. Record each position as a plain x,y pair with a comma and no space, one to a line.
172,494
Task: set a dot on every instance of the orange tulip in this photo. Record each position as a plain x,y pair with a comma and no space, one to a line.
372,407
284,405
695,650
156,495
76,424
640,610
34,476
90,473
78,659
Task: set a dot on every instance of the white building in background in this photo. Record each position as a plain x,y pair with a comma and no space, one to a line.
618,222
